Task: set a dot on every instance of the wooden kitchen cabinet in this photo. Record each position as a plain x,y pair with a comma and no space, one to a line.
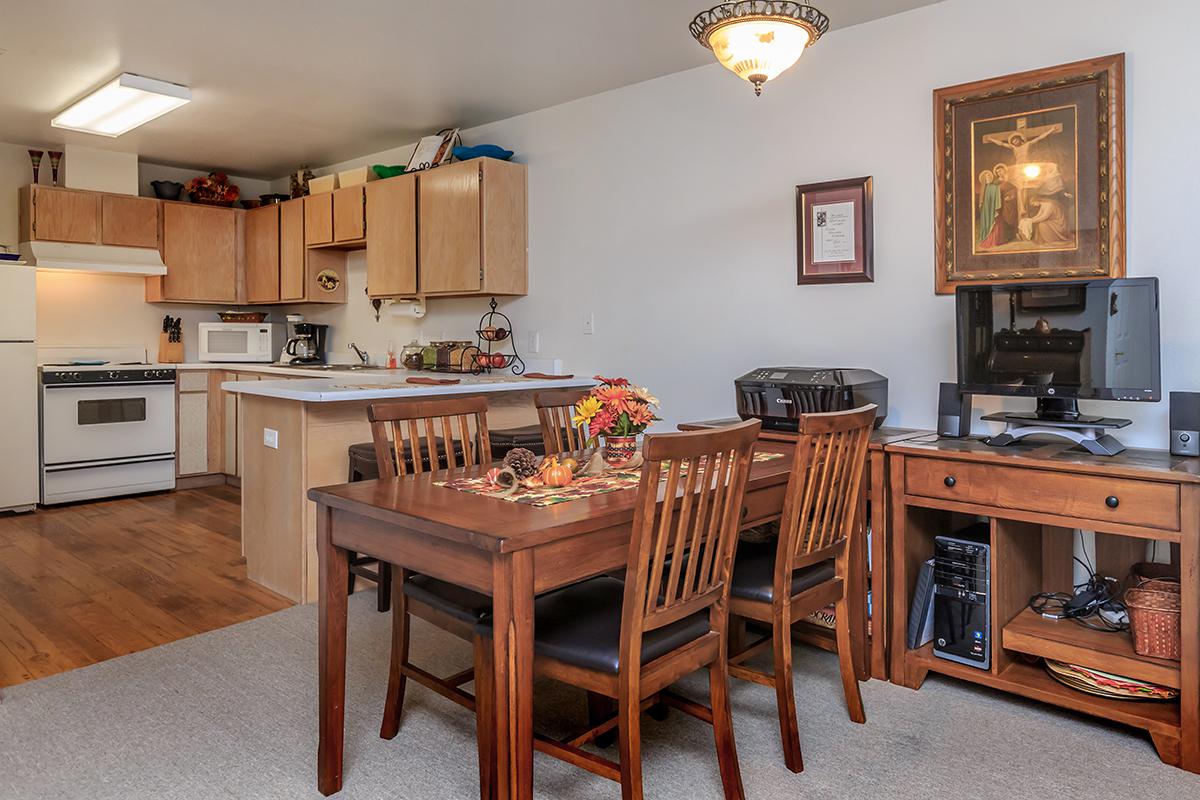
128,221
200,423
52,214
349,214
291,250
202,249
263,255
472,236
318,219
392,237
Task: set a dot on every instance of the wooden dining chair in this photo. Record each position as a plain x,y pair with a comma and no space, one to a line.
631,640
555,409
455,433
805,569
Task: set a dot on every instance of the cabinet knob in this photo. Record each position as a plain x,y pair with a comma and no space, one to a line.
950,480
1112,501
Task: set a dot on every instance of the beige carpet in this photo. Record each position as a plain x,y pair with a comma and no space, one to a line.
232,714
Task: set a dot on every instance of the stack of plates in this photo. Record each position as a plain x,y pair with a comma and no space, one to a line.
1104,684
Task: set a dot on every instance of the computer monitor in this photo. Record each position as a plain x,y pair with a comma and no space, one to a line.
1061,342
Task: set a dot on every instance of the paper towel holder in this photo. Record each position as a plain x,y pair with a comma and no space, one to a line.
407,307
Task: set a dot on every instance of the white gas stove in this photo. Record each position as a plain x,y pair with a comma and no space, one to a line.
107,423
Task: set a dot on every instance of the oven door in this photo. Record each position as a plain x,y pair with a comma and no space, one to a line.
107,421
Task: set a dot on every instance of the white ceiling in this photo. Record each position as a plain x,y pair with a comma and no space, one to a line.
278,83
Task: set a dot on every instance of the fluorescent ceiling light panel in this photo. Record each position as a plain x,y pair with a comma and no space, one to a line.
121,105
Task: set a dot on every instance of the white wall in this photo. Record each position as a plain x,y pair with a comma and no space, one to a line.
667,208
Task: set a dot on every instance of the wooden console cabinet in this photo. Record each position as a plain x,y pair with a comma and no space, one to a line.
1034,496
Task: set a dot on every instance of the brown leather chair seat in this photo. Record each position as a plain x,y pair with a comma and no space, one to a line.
455,601
581,625
506,439
754,572
364,467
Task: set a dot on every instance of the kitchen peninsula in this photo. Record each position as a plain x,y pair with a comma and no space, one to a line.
294,434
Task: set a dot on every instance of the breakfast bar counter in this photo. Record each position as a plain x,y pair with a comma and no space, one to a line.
294,434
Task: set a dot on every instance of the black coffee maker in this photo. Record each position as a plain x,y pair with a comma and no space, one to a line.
307,345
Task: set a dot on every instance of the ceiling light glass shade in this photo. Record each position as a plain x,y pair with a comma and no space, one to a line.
759,39
121,105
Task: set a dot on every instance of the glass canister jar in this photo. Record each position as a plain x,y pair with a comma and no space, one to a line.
410,356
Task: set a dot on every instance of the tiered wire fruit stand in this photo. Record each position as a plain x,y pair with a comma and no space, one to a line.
496,340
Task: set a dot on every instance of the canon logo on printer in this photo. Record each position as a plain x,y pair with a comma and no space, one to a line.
783,400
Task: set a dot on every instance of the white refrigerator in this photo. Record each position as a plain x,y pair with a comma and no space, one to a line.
19,457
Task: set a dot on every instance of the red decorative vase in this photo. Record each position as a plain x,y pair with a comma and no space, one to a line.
618,450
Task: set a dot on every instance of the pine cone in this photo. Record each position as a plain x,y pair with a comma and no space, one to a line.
521,461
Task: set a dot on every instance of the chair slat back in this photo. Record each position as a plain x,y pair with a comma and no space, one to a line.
820,510
681,551
407,425
555,409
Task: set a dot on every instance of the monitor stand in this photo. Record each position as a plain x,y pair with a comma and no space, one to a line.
1057,416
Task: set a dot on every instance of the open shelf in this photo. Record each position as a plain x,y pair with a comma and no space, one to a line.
1064,640
1031,680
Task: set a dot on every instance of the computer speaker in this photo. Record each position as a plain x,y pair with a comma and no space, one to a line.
954,412
1185,423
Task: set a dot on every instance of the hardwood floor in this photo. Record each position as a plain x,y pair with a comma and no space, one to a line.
87,582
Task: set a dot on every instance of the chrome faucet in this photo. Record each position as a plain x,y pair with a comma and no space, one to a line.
363,355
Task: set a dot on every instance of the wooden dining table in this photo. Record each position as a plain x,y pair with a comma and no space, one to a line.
510,551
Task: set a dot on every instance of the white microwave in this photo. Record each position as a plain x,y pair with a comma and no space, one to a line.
240,341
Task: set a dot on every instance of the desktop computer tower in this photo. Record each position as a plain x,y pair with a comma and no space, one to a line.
962,601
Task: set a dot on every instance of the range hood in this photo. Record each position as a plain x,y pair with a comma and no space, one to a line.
102,258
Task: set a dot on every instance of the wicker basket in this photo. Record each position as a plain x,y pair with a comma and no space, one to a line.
1154,615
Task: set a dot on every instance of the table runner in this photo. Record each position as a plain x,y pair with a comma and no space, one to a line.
611,480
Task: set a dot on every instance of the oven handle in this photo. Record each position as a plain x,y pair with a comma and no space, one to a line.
114,383
109,462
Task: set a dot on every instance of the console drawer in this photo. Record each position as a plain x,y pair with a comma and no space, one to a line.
1085,497
763,505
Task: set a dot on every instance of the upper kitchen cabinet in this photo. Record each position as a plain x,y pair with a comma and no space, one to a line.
279,268
129,221
292,255
472,237
53,214
392,237
202,248
262,255
335,218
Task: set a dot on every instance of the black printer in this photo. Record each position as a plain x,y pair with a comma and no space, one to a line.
779,395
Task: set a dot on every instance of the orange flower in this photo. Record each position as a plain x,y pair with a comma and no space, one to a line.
603,422
641,415
611,381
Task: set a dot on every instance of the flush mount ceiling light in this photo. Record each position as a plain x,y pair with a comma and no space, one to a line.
121,105
758,39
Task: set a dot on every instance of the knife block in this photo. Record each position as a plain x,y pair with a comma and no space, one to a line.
169,352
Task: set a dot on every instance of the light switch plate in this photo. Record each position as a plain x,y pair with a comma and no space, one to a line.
271,438
534,345
589,323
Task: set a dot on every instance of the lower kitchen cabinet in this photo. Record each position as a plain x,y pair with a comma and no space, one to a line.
199,423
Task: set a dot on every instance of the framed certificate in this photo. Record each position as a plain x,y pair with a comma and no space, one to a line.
834,232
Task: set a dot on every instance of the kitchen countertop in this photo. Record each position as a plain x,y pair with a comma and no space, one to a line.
333,386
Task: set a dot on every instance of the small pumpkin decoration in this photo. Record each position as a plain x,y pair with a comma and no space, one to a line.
556,474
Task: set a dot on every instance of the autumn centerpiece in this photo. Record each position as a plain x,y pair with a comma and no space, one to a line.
618,411
213,190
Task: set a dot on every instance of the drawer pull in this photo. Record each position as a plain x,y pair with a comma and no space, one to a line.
950,481
1112,501
745,511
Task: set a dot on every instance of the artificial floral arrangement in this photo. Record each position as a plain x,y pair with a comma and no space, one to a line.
615,408
213,189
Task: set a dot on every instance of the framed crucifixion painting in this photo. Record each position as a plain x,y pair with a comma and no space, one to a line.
1030,176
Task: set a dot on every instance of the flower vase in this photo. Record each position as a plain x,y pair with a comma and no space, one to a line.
618,450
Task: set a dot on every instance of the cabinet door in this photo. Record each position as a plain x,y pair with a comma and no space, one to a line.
449,234
505,259
318,218
291,250
392,236
66,215
348,219
200,249
262,255
129,221
192,458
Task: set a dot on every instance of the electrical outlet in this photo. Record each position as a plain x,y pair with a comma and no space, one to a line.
534,343
589,323
271,438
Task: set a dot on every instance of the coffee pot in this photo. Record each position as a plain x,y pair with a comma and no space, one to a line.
307,344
